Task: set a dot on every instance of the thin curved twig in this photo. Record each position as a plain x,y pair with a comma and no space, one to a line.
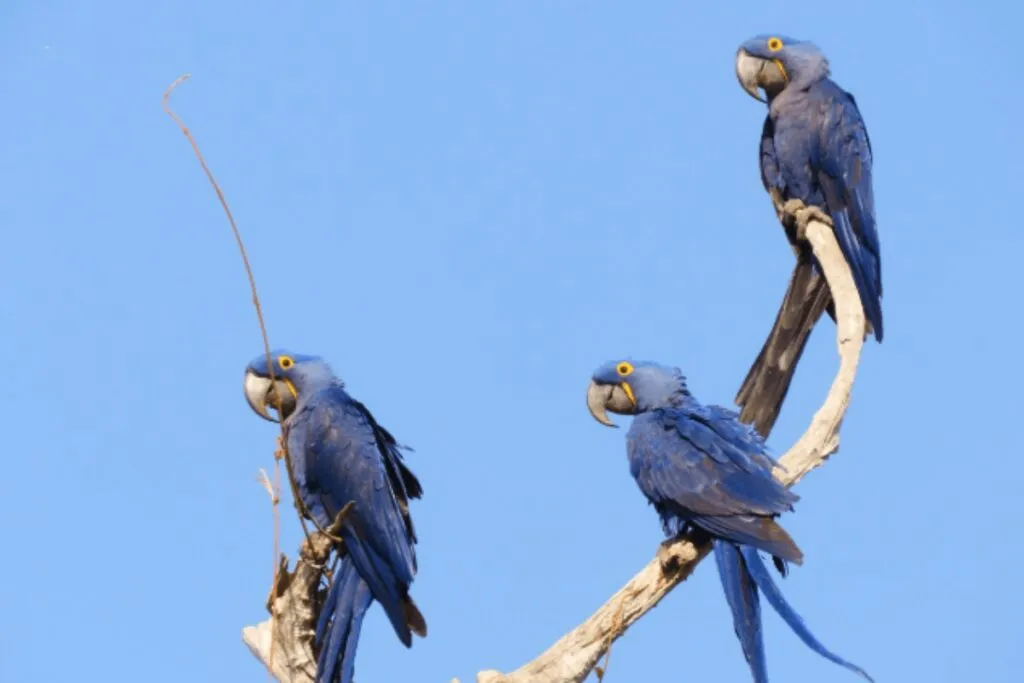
576,654
275,487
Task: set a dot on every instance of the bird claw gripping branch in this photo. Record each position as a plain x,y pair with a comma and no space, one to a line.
802,215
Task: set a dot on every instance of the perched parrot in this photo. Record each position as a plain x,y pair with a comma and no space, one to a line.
705,471
339,454
814,148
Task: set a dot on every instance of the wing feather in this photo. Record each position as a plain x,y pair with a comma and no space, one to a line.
704,466
844,166
344,456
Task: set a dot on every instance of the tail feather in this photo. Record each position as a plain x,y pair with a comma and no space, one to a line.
385,587
762,577
414,618
761,532
327,610
866,273
340,623
741,594
764,389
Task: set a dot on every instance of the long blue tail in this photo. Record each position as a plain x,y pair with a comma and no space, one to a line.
385,585
741,594
341,620
758,572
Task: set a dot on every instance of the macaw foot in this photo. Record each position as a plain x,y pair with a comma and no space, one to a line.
667,557
333,532
802,215
792,207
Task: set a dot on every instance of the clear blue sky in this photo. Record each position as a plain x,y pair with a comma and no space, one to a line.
466,207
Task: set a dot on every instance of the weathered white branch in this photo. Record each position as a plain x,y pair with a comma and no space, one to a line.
293,600
284,643
573,657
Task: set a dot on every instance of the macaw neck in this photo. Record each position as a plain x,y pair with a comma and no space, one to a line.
660,390
309,378
803,72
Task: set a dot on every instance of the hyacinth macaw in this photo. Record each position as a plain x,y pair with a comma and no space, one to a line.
707,472
814,148
339,454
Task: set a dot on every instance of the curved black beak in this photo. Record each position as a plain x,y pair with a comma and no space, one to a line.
262,394
614,397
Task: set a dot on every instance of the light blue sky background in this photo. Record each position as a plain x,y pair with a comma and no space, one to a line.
466,207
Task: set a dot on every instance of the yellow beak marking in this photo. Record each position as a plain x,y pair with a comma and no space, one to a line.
782,70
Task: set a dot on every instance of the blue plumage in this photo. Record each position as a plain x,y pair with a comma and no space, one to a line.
823,157
704,470
341,620
814,148
741,594
339,454
763,578
336,458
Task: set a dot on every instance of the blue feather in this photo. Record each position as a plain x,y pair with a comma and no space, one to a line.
332,595
815,147
762,577
340,623
700,467
339,454
741,594
382,581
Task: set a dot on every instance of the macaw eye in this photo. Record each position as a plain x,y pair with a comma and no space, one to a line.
624,368
285,362
774,44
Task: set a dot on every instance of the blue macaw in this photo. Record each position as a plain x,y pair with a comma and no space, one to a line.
705,471
814,148
339,454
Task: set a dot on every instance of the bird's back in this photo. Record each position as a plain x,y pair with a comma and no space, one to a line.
843,172
815,147
342,460
805,126
699,465
693,432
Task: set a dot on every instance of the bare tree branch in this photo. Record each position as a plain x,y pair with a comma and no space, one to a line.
294,598
284,643
573,657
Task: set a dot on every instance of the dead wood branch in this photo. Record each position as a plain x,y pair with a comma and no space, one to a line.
284,643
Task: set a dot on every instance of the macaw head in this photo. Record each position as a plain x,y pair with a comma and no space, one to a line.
278,384
633,387
770,63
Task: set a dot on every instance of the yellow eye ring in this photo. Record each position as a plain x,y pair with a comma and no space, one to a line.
624,369
774,44
286,362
